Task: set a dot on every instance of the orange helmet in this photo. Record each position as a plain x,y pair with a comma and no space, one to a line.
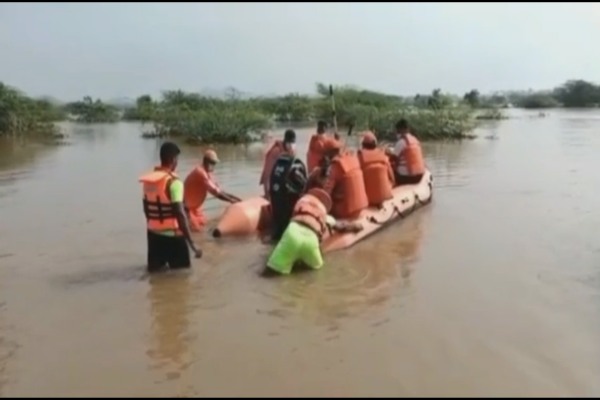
369,137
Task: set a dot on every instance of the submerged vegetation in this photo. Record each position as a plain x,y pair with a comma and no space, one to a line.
89,111
23,116
236,119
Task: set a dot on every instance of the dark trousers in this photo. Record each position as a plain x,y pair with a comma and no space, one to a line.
167,250
407,180
282,209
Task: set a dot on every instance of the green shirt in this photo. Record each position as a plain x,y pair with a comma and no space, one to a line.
176,192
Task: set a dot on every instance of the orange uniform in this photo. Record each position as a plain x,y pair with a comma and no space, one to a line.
316,150
377,172
410,156
158,208
197,185
311,211
270,157
345,184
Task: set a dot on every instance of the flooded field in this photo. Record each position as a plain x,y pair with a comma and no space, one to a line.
493,290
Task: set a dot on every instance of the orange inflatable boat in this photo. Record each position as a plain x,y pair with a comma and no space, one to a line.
253,215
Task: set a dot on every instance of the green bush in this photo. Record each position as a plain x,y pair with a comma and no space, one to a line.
89,111
22,116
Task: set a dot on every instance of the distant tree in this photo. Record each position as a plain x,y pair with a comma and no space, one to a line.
472,98
578,93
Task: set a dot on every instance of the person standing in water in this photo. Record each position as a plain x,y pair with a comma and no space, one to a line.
286,184
199,182
168,233
278,148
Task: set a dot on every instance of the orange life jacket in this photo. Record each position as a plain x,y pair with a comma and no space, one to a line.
312,213
349,195
159,211
412,156
270,157
314,153
376,170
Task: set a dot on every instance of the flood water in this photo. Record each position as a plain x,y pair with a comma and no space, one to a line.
493,290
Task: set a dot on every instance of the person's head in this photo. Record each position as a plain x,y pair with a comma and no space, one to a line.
402,127
321,127
369,140
289,140
169,154
210,160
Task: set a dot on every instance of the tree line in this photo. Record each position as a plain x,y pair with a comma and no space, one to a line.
234,119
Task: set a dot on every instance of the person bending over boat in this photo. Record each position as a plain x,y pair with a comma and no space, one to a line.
315,153
286,185
301,241
407,156
168,232
279,147
199,182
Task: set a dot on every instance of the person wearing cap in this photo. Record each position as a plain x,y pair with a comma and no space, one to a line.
286,184
378,173
168,232
315,153
301,241
279,147
199,182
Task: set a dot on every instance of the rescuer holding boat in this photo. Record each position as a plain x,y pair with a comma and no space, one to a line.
199,182
301,241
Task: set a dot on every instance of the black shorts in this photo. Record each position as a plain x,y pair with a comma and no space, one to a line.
407,180
167,250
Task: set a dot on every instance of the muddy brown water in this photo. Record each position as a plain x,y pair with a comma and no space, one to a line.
492,290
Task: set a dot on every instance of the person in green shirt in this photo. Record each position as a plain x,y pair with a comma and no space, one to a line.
168,231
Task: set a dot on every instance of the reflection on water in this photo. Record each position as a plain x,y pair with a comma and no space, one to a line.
169,297
491,290
354,282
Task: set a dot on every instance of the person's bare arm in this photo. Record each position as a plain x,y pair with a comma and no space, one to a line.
229,197
185,228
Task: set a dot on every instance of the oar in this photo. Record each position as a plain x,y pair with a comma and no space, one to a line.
333,113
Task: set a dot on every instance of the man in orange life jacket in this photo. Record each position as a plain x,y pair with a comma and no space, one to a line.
315,153
407,155
302,238
378,173
168,231
279,147
344,182
199,182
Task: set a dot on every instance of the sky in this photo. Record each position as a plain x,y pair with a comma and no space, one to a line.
112,50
